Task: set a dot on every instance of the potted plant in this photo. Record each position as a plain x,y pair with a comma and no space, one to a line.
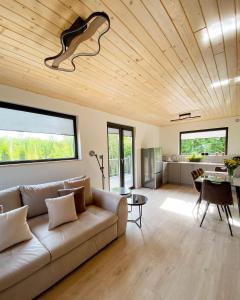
231,165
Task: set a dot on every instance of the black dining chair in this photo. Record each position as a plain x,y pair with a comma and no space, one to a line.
197,186
200,171
219,194
220,169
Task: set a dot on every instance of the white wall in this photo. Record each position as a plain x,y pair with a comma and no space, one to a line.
170,134
92,128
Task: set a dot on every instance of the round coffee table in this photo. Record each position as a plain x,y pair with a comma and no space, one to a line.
137,200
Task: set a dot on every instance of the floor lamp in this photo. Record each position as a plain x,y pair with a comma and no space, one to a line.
98,158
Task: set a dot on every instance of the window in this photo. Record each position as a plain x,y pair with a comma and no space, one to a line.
209,141
30,134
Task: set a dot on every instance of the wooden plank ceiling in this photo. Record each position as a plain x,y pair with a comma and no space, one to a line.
160,57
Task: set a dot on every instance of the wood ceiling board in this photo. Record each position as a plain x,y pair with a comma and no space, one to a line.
142,36
229,29
104,64
183,27
161,16
77,8
193,11
153,63
147,21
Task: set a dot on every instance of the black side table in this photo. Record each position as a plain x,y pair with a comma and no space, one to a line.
137,200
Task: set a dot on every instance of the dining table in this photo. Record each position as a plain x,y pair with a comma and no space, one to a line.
219,177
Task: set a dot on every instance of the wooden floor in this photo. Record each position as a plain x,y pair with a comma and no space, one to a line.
170,258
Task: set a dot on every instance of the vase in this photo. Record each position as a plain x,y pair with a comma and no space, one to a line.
230,172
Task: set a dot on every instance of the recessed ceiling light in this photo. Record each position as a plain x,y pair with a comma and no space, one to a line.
237,79
226,27
220,83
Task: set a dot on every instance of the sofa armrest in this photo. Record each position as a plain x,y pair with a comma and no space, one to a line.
114,203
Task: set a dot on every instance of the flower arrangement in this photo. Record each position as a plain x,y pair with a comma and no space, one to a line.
231,165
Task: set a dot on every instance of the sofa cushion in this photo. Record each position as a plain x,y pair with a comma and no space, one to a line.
10,199
76,178
34,196
14,228
68,236
68,184
20,261
61,210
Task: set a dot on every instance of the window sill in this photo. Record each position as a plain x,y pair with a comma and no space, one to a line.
39,162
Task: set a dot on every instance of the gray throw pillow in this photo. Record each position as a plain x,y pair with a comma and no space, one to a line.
10,199
34,196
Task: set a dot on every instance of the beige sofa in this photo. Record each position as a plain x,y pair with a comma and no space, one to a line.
29,268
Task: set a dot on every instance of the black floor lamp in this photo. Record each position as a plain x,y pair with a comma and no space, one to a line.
92,153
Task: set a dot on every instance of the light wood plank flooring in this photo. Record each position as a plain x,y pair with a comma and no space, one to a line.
170,258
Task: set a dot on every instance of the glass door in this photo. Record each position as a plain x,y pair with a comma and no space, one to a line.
120,156
114,158
128,158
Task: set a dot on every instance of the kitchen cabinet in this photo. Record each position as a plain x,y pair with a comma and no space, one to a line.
174,172
186,169
180,172
165,173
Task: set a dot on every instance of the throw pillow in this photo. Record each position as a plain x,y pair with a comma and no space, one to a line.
78,197
68,184
34,196
10,199
61,210
14,227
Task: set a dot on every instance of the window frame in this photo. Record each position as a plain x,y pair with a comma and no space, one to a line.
203,130
40,111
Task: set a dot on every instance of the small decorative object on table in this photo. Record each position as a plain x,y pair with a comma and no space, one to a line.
231,165
195,158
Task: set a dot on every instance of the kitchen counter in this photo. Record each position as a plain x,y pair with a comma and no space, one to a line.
193,162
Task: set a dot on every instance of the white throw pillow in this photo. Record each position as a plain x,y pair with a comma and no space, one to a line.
14,227
61,210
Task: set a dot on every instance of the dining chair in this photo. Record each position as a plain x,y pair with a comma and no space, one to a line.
200,171
197,186
220,169
219,194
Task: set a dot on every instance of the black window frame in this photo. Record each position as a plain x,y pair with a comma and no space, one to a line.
204,130
24,108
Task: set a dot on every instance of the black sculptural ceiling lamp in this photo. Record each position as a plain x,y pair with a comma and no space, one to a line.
80,31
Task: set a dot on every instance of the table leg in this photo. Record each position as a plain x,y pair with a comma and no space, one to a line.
139,217
238,197
130,209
